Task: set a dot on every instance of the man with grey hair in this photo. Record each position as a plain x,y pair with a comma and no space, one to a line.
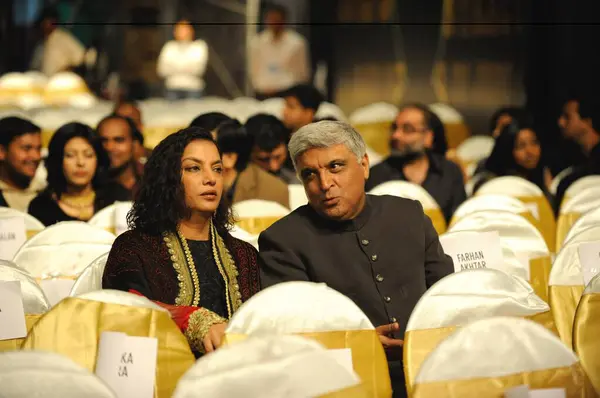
380,251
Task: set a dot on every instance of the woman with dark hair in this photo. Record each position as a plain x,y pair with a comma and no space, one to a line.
179,252
518,152
77,185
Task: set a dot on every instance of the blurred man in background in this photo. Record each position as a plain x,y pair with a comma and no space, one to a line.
279,56
269,150
132,111
412,161
60,50
301,105
182,63
20,156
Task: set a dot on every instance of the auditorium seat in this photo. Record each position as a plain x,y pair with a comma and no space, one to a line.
488,357
273,366
321,313
462,298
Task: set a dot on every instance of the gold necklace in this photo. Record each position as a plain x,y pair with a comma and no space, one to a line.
84,205
191,265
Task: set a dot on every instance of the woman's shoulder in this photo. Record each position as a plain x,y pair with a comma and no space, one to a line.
113,192
138,240
42,200
240,248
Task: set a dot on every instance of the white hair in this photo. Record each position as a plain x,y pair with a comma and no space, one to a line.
326,134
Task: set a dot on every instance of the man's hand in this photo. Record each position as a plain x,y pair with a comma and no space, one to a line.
392,346
213,338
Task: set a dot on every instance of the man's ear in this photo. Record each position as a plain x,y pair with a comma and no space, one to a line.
365,164
429,139
3,153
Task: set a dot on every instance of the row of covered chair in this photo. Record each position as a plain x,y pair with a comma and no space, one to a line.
445,315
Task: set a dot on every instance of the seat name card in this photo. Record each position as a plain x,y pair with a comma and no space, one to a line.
589,258
127,364
474,250
12,236
12,312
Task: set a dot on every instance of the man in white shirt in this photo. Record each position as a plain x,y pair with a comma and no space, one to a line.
61,50
182,63
279,57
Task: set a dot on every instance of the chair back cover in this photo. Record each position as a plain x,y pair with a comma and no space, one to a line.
533,197
112,218
475,148
273,366
35,302
573,208
373,122
90,279
408,190
455,127
521,236
321,313
566,284
297,196
245,236
63,249
492,202
587,220
585,331
73,328
489,356
461,298
32,224
581,185
26,374
255,215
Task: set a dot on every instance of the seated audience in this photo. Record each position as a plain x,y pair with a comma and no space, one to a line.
380,251
182,63
580,122
244,180
301,105
179,252
412,161
77,185
131,110
517,152
117,134
20,156
279,56
269,149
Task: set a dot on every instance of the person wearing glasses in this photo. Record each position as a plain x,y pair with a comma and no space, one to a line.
412,159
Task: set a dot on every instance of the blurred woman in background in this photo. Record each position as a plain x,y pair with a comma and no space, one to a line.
518,152
77,187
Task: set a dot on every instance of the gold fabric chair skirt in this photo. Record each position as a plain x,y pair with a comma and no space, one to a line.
586,337
368,357
546,223
154,135
255,225
73,327
573,379
418,344
376,136
565,222
539,270
563,302
437,219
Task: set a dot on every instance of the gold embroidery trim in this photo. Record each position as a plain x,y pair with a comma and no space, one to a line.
191,265
185,295
199,324
228,271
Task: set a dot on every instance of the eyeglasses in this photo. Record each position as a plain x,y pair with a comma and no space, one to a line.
407,128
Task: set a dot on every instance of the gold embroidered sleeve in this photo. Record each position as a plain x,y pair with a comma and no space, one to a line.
199,324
